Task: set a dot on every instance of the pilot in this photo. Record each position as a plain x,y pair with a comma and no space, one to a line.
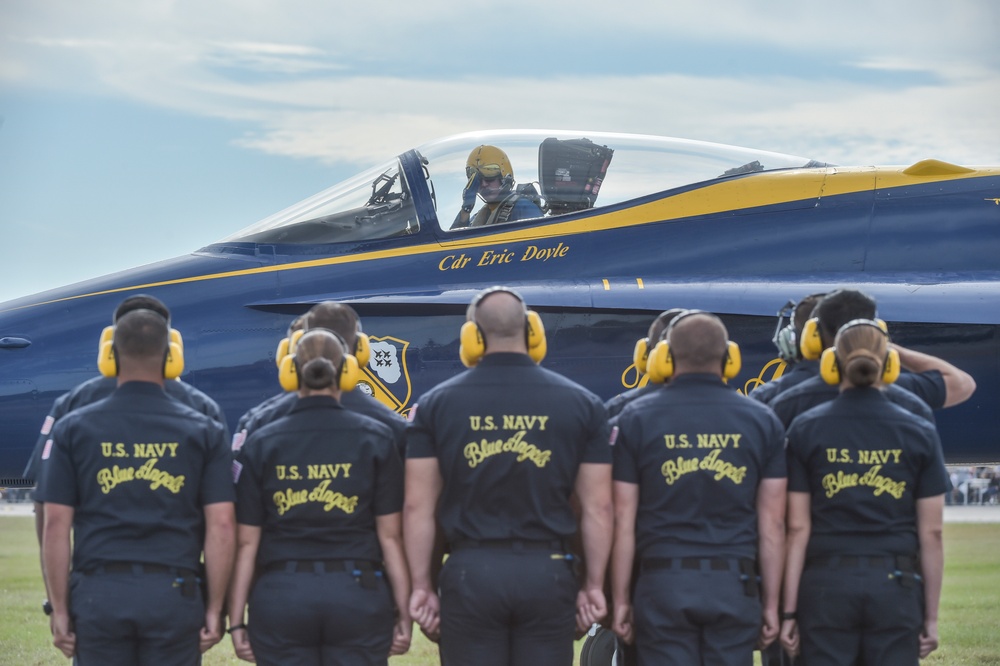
496,452
866,484
931,383
699,494
491,177
787,341
344,321
641,356
320,558
145,484
101,387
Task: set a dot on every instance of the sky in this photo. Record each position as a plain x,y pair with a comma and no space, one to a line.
138,130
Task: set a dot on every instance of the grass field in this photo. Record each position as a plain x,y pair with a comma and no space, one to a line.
970,607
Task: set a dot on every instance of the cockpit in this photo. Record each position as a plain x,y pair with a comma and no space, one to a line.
563,173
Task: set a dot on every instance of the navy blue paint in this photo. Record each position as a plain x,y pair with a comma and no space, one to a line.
929,253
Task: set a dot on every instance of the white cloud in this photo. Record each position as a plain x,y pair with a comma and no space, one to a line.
293,71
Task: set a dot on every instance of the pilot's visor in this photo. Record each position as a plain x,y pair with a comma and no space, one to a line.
487,171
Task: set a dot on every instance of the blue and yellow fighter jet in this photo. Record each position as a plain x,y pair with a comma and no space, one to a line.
621,227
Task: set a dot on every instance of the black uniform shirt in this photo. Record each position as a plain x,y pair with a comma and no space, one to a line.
509,437
864,461
616,404
315,480
138,467
697,450
274,408
99,388
928,386
800,372
816,391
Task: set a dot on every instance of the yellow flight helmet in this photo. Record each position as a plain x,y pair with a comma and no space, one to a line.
489,162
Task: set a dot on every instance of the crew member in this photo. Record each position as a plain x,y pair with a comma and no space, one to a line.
491,177
341,320
699,497
866,485
497,452
145,484
319,500
101,387
787,341
932,383
640,356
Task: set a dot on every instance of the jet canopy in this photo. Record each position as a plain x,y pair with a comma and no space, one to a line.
563,172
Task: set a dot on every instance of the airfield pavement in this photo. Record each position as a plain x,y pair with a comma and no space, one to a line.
973,513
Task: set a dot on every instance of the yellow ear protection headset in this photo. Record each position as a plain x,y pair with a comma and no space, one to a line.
362,348
643,346
811,344
107,355
829,364
472,343
348,373
661,360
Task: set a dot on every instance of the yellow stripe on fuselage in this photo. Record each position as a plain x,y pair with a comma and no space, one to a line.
759,190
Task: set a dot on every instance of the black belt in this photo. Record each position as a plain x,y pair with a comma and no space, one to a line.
695,563
901,562
365,571
316,566
745,567
138,568
510,544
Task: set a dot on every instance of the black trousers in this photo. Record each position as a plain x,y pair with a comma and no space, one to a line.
320,618
859,615
504,607
127,618
686,617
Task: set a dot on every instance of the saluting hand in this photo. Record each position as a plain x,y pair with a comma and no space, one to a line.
63,636
425,609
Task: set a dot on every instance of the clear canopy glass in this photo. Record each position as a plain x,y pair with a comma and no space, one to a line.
562,172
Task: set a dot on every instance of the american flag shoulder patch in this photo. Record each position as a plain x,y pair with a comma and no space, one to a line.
238,439
47,424
47,451
237,470
614,436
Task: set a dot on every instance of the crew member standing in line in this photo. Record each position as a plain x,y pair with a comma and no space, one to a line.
101,387
497,452
320,494
341,320
865,502
931,383
145,485
787,341
640,357
699,497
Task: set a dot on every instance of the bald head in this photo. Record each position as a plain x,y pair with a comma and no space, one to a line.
336,317
698,343
501,317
